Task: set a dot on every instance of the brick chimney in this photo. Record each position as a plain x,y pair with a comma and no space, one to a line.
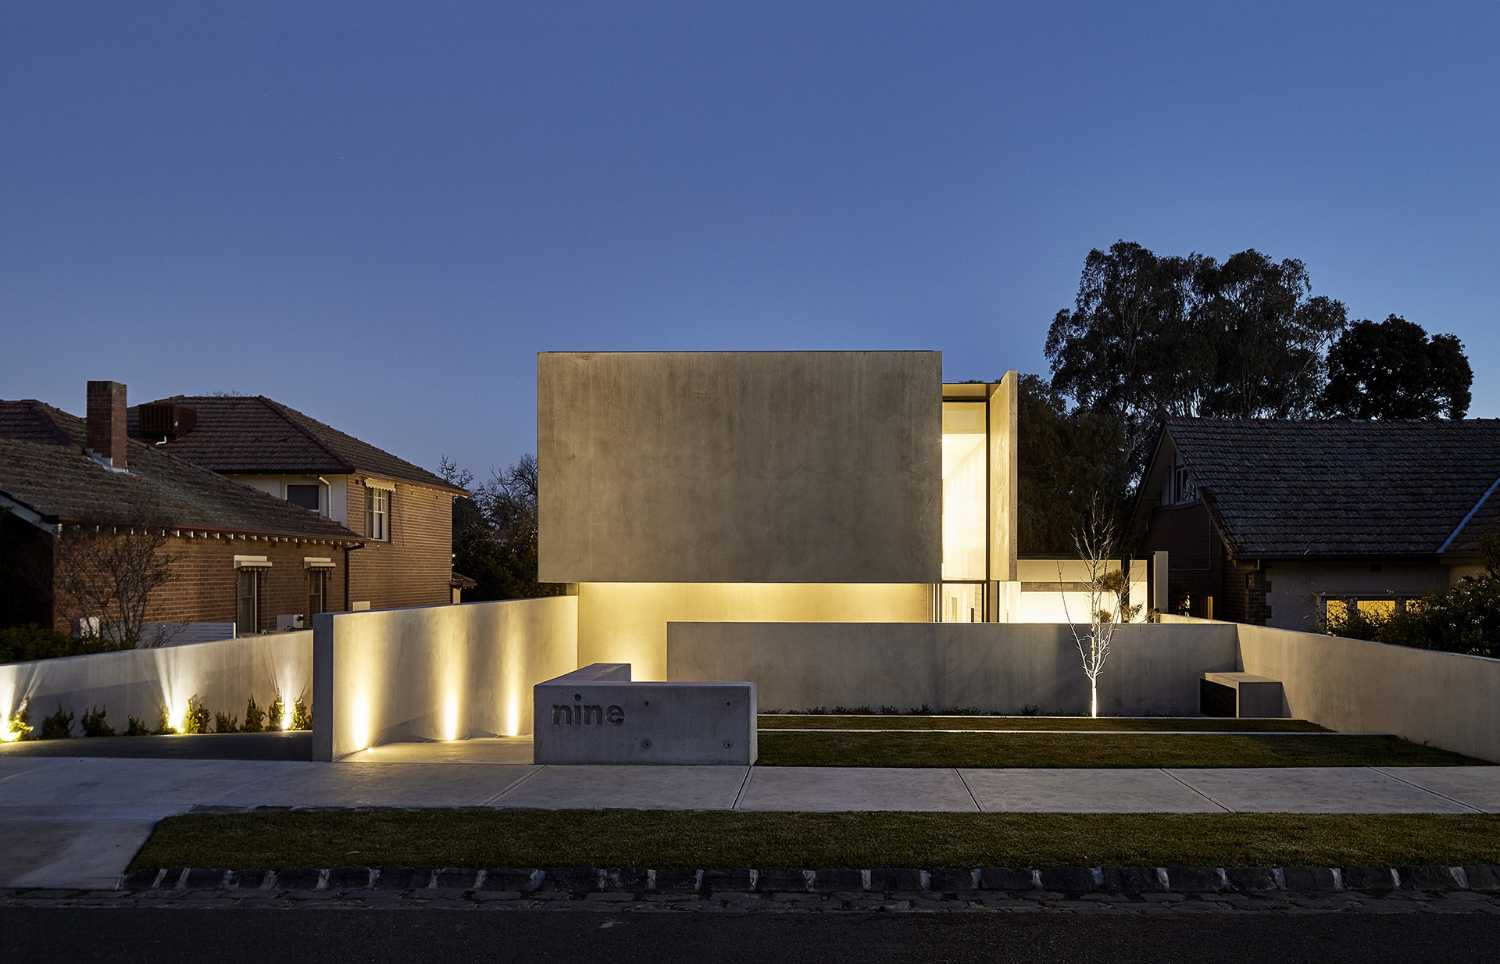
106,423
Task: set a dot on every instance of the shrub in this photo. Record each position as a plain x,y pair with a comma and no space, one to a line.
164,721
1464,618
225,723
58,726
195,718
255,718
301,715
94,723
135,727
273,714
19,725
23,643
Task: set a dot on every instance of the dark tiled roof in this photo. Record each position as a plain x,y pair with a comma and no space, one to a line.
255,434
49,473
1339,488
1484,523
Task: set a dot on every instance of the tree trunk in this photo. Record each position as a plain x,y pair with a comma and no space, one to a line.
1093,697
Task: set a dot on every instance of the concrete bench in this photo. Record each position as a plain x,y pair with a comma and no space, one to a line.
1241,695
596,715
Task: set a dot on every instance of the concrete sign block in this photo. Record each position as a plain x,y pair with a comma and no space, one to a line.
597,715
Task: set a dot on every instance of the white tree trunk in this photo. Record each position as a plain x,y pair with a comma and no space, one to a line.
1094,697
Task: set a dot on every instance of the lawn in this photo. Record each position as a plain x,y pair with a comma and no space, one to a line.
667,839
1082,724
981,750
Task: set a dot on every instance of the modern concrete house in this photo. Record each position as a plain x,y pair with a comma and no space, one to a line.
1280,523
819,486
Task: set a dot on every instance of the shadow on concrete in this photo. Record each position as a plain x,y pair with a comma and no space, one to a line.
205,746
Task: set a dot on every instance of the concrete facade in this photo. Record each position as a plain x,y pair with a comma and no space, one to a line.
224,675
995,667
744,467
435,673
597,715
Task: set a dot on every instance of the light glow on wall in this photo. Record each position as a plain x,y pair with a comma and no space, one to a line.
450,716
965,490
286,712
359,722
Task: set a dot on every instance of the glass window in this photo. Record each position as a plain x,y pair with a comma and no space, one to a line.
961,602
317,590
304,494
378,514
965,490
247,609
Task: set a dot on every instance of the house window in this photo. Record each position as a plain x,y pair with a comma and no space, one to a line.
378,515
247,609
305,494
1337,609
317,592
1180,488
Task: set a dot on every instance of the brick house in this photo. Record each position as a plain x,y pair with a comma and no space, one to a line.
403,512
1281,523
238,556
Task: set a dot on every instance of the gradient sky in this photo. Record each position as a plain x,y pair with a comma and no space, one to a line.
379,213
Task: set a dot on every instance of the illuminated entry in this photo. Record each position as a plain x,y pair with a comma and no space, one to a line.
965,490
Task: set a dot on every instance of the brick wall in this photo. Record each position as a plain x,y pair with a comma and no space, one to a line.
202,584
415,567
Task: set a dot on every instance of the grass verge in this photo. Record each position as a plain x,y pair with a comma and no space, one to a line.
665,839
1082,724
980,750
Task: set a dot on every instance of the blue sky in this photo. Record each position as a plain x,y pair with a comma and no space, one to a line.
379,213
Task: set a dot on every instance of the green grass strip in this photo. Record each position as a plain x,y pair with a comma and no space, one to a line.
668,839
1082,724
983,750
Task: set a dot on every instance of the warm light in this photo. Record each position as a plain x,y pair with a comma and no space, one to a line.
359,724
965,492
176,716
512,716
286,714
450,717
10,733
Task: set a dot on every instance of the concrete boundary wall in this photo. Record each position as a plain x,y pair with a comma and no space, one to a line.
224,674
435,672
1446,699
994,667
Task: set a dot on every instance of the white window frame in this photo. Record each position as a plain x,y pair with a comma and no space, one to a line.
378,503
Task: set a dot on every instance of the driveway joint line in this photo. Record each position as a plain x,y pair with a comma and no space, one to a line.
494,798
1417,786
744,784
961,779
1196,790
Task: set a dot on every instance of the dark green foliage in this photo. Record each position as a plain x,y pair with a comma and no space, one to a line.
226,723
494,532
1067,460
274,713
164,721
20,723
58,726
135,727
94,723
19,644
1465,618
1392,369
195,718
301,715
255,718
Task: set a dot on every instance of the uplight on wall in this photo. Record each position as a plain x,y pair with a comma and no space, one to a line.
359,723
450,717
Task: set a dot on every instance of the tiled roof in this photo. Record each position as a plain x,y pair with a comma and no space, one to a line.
255,434
1339,488
47,470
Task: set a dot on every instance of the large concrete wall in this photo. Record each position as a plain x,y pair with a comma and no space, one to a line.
224,675
995,667
1446,699
748,467
627,622
435,673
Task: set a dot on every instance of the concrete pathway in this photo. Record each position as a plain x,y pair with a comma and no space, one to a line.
77,821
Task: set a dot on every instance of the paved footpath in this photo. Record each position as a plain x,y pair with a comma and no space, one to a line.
77,821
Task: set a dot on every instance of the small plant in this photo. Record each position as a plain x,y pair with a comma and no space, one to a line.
18,727
301,715
94,723
195,719
1031,709
164,721
58,726
274,713
255,718
135,727
225,723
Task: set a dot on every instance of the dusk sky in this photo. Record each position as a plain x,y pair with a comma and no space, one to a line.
379,213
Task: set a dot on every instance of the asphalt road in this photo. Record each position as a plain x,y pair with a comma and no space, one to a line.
323,934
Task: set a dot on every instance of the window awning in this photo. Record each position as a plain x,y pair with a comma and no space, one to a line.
251,562
316,562
380,484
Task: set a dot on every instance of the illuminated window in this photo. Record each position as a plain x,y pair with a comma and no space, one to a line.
1376,608
965,490
1336,610
961,602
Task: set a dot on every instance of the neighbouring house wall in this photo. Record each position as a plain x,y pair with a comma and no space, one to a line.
997,667
415,567
627,622
201,586
1447,699
138,682
436,672
1293,588
25,573
333,490
740,467
1196,561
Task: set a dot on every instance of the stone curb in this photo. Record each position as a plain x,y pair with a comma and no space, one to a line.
1072,880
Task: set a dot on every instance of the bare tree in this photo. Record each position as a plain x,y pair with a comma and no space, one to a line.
1108,587
108,573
